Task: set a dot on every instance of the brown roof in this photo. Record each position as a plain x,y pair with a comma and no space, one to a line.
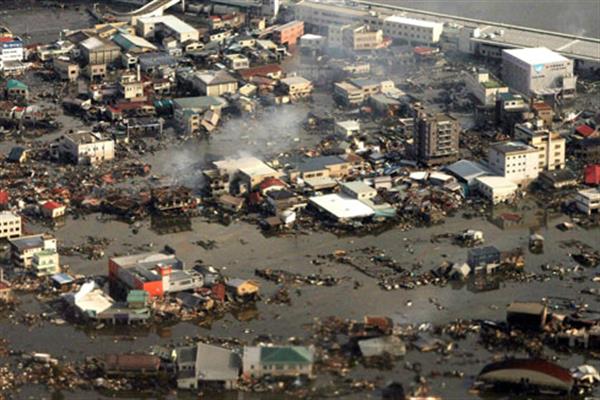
263,70
131,362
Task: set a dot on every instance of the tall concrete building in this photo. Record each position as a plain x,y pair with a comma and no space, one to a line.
538,72
550,144
436,138
516,161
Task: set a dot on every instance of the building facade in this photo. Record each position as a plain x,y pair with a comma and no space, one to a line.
288,34
10,225
436,138
538,72
551,146
515,161
484,87
414,31
86,148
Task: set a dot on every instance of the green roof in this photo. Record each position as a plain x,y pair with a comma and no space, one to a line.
291,354
15,84
137,296
490,84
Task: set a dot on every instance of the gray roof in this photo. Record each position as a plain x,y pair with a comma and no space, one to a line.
467,170
215,363
318,163
200,102
27,242
156,59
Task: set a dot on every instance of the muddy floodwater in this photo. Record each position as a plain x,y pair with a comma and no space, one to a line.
241,248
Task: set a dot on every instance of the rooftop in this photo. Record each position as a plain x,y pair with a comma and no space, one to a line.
396,19
513,147
27,242
214,363
536,55
286,355
319,163
342,207
86,137
170,21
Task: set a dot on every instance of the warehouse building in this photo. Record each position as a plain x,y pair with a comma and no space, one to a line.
168,25
538,72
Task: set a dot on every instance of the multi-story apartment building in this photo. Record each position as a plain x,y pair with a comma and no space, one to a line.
10,225
551,145
436,138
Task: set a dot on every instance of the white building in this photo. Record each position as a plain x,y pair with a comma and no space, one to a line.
347,128
515,161
496,188
484,87
318,17
359,190
341,207
588,200
297,87
11,49
86,148
171,25
412,30
312,41
10,225
551,145
538,71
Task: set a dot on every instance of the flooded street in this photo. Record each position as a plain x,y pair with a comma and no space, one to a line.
241,248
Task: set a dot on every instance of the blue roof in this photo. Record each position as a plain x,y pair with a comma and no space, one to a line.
62,278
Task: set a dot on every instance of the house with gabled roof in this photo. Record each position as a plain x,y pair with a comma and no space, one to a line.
278,361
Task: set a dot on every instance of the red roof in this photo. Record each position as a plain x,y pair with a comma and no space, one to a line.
268,182
585,130
424,51
51,205
592,174
3,197
533,365
541,106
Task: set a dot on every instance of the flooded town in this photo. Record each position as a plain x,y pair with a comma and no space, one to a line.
286,199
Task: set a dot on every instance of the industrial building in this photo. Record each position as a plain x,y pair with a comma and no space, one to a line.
97,51
166,25
538,72
156,273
